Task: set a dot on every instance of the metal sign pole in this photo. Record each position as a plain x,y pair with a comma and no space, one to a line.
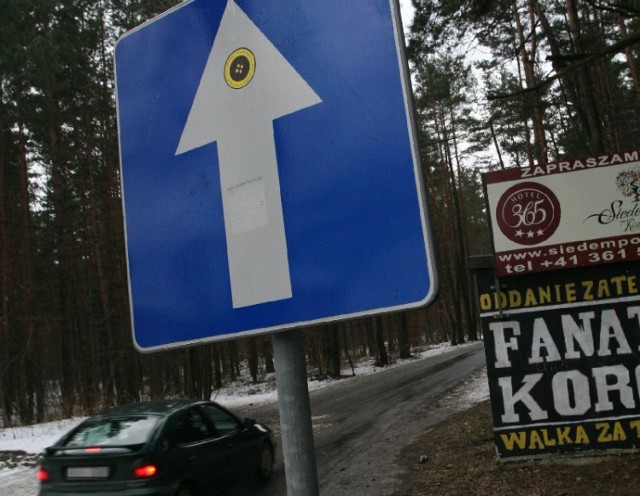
295,414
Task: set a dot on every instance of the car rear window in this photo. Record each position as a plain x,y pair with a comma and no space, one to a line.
120,431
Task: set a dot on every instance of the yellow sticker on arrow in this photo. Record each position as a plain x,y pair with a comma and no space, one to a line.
239,68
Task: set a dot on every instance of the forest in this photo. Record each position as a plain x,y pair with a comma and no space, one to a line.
497,83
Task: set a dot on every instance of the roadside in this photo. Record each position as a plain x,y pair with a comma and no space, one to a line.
457,457
375,468
373,443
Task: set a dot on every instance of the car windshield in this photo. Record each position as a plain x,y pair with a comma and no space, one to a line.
117,431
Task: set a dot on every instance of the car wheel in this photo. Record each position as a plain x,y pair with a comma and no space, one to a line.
184,490
265,469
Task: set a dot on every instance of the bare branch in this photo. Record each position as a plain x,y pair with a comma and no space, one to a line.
616,8
583,60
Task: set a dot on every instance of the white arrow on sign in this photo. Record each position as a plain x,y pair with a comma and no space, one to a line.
246,84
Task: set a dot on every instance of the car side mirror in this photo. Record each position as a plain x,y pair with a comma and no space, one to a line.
249,422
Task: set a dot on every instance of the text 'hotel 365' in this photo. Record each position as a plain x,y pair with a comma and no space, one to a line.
560,307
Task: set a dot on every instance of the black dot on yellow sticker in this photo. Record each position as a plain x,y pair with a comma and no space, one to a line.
239,68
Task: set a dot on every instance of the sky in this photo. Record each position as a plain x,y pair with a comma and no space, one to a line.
406,11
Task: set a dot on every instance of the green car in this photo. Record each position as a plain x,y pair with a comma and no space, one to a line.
165,448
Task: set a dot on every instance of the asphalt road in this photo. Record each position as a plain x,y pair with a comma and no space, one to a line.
361,424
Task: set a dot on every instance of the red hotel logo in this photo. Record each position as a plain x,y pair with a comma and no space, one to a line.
528,213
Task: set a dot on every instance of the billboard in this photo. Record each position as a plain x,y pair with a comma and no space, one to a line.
566,214
563,359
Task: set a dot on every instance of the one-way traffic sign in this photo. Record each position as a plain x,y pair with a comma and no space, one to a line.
269,168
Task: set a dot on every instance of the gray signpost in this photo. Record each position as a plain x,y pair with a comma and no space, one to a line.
295,414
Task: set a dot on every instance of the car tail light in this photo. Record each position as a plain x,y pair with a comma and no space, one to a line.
42,475
145,471
93,449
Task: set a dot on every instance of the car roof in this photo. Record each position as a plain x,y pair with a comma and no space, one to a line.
161,408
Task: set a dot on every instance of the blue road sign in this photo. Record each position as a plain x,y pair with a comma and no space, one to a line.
269,169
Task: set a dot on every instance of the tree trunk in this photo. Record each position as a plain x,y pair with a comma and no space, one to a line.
404,347
382,358
253,359
267,353
628,51
332,350
217,367
26,370
5,333
528,64
587,97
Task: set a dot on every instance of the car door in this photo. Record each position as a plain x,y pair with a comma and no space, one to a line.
241,443
197,449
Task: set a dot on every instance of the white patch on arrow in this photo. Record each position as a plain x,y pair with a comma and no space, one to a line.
241,121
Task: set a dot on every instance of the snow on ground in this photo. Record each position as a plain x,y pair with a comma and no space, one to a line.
17,472
240,394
